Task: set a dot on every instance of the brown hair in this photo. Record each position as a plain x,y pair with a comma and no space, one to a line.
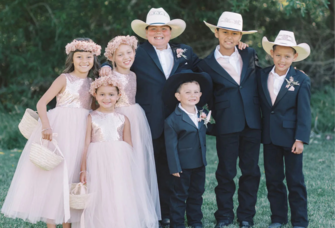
179,87
69,67
274,48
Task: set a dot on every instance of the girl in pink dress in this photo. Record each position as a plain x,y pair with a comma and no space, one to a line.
121,51
39,195
117,199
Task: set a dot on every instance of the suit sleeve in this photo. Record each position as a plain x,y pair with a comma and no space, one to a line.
304,118
195,60
171,143
106,64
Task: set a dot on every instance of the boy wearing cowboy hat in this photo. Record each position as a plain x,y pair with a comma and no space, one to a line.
236,111
156,59
286,116
185,132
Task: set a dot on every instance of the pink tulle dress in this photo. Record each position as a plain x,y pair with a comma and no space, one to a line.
140,135
35,194
117,198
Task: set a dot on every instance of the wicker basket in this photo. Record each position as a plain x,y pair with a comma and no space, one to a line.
78,196
44,158
28,123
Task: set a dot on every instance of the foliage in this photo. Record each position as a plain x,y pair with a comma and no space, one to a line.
318,170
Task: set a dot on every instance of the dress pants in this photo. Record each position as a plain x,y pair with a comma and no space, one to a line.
164,178
244,145
187,196
275,172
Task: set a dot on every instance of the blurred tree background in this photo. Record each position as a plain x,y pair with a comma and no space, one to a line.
33,35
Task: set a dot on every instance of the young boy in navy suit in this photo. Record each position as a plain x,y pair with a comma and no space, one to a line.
286,116
185,136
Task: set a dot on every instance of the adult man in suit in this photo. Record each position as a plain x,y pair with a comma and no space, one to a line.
236,111
156,59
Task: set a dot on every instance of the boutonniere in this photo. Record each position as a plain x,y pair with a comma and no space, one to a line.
180,52
204,117
291,83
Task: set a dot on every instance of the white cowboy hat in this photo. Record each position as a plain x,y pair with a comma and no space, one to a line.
287,39
158,17
230,21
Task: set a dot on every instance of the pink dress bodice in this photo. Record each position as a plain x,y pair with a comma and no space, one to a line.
76,93
107,127
129,88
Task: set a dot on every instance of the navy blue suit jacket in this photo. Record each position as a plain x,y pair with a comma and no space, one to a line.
234,105
151,80
290,116
185,143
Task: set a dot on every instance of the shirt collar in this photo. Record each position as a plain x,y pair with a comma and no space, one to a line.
196,110
277,75
218,53
168,47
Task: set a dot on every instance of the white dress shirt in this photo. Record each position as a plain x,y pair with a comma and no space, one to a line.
277,80
166,59
193,116
233,59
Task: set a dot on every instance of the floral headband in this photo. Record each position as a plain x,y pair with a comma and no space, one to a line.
83,45
117,41
103,81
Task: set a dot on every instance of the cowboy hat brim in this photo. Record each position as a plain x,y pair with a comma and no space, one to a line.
302,49
174,81
178,26
214,27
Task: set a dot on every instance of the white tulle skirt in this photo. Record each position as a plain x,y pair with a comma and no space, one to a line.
37,195
143,150
117,199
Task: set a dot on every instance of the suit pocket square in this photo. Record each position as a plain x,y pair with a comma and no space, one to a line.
291,88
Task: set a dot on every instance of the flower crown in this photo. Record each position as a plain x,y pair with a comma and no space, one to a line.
84,46
103,81
117,41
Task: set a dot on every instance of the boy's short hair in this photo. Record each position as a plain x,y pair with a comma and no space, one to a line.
274,48
179,87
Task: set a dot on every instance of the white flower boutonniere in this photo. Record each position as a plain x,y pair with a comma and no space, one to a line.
204,117
291,83
180,53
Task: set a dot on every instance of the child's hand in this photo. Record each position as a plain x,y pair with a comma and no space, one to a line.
176,174
47,134
297,147
83,177
105,71
242,45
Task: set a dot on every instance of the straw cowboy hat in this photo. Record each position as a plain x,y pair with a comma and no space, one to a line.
230,21
287,39
158,17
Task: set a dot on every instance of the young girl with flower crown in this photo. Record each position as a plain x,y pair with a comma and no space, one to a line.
39,195
121,52
116,198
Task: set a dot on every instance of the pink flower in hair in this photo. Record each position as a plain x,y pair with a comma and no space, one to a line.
104,81
116,42
83,46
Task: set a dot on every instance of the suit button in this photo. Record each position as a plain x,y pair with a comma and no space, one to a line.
272,112
240,87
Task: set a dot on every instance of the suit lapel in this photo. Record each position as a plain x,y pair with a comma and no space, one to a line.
264,80
185,117
244,55
211,61
175,59
152,53
283,90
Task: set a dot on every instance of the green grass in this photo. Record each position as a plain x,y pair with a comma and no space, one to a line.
319,160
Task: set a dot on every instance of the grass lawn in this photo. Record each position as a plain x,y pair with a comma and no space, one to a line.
319,160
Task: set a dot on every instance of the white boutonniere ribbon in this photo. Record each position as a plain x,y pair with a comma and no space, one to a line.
204,117
291,83
180,53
